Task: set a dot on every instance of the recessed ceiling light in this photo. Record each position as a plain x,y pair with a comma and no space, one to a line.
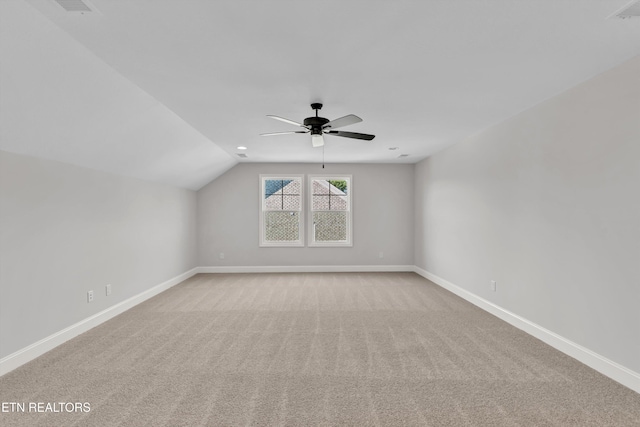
241,148
393,148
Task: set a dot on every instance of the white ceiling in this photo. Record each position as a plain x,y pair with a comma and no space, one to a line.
165,90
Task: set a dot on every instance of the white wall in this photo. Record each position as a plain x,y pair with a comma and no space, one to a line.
548,205
228,211
66,230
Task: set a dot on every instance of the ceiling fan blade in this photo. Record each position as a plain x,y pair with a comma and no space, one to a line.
317,140
355,135
282,119
284,133
342,121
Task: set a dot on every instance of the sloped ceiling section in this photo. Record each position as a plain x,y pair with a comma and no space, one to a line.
167,89
61,102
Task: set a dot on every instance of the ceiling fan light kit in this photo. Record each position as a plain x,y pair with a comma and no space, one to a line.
317,140
320,126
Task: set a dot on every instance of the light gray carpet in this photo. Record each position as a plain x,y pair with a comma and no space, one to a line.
338,349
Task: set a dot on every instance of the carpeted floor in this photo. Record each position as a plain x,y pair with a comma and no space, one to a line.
343,349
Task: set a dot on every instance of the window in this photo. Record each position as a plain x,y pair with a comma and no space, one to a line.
330,210
281,216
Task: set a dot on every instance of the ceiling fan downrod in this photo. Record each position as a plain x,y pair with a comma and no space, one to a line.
316,106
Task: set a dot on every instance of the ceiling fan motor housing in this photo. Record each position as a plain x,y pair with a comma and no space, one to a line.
315,124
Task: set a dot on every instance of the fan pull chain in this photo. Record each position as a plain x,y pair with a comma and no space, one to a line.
323,157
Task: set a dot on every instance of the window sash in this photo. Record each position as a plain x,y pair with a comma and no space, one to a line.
281,205
327,204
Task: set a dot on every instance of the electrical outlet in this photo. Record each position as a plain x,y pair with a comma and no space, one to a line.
493,285
90,296
221,255
107,290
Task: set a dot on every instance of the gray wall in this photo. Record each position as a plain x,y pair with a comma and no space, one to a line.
548,205
228,210
66,230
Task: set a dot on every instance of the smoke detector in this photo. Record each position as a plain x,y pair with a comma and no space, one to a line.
630,10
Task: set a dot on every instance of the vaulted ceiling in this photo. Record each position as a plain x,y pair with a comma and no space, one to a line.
166,90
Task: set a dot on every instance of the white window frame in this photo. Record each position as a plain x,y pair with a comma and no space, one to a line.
311,231
266,243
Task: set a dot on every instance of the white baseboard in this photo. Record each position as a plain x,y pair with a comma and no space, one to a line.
306,269
601,364
36,349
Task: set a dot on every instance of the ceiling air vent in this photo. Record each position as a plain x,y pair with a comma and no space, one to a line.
74,5
244,156
403,155
630,10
